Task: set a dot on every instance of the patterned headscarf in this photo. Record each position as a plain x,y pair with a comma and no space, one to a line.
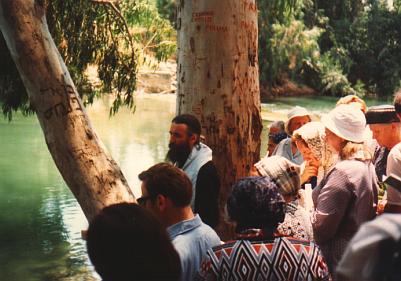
313,134
255,202
282,172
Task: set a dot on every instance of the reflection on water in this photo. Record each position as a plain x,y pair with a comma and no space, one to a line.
137,140
40,221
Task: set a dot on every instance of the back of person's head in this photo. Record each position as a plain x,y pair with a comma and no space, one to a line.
354,100
255,202
381,114
193,124
279,125
168,180
126,242
349,124
374,253
277,131
284,173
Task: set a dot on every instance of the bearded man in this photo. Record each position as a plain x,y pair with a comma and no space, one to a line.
195,159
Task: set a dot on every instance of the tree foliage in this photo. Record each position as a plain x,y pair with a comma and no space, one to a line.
375,48
153,33
113,35
337,47
167,9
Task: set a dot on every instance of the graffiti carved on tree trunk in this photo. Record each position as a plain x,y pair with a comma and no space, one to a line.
218,80
89,171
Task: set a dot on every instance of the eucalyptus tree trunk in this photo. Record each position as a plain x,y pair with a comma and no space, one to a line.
218,81
89,171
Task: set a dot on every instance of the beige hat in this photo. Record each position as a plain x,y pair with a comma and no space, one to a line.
282,172
347,122
297,111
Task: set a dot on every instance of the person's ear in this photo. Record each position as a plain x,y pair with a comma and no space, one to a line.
161,202
193,138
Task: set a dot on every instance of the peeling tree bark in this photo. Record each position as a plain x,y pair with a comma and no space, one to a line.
89,171
218,80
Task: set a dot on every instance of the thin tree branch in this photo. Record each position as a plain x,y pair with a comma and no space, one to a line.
112,4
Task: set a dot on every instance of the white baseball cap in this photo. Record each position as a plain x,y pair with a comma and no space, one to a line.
348,122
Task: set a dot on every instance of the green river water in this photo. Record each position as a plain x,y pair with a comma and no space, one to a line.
41,222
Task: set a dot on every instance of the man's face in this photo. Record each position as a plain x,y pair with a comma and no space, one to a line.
181,143
307,153
179,134
271,145
159,205
297,122
384,133
273,130
147,201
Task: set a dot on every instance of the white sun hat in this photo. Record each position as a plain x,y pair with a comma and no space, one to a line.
297,111
348,122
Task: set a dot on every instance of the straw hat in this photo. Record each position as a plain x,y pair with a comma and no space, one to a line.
297,111
347,122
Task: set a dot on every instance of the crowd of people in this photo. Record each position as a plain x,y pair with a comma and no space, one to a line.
350,158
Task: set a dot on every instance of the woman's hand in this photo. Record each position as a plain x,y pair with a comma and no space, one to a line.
309,171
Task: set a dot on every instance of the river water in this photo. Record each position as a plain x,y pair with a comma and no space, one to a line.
41,222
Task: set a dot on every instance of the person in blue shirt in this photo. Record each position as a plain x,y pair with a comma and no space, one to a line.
297,117
167,192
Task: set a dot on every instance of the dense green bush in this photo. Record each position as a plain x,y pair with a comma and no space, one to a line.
375,47
167,9
335,47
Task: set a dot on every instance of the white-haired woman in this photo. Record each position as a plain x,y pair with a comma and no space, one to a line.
347,195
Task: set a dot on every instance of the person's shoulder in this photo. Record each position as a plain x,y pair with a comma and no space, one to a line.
339,170
296,241
350,167
208,166
285,142
209,172
282,147
349,172
395,152
345,165
206,232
